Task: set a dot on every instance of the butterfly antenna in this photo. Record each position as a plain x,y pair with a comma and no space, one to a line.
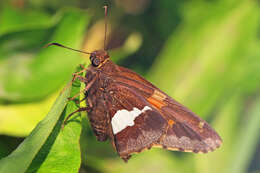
60,45
105,39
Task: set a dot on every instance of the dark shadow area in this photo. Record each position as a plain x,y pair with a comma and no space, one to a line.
254,165
8,144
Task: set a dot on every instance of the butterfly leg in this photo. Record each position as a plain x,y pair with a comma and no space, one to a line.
76,76
90,104
75,96
86,88
78,110
84,108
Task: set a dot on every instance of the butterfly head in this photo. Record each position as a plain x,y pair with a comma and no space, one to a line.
98,58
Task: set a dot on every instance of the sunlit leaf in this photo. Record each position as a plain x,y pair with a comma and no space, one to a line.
20,159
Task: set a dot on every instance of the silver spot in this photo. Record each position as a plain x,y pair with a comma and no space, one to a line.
124,118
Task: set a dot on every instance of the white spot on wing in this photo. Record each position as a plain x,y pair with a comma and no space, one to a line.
124,118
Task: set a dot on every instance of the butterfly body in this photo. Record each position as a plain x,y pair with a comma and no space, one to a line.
135,115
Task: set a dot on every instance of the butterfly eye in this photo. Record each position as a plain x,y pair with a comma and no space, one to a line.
95,62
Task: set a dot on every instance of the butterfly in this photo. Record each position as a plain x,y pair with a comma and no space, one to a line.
136,115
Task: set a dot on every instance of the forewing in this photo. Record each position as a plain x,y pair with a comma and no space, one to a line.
185,131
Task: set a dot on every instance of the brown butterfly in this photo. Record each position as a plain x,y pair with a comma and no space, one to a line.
135,115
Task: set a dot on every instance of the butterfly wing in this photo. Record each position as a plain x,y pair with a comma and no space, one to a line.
158,119
135,124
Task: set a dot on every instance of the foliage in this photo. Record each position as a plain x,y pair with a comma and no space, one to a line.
204,54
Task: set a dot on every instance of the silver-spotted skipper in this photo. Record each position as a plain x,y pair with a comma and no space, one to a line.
135,115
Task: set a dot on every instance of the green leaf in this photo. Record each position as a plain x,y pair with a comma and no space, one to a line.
64,155
15,19
22,157
37,76
49,148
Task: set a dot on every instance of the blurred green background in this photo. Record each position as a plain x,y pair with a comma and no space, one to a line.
203,53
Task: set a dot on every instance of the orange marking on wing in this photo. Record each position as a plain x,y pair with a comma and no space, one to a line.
157,103
171,122
157,99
